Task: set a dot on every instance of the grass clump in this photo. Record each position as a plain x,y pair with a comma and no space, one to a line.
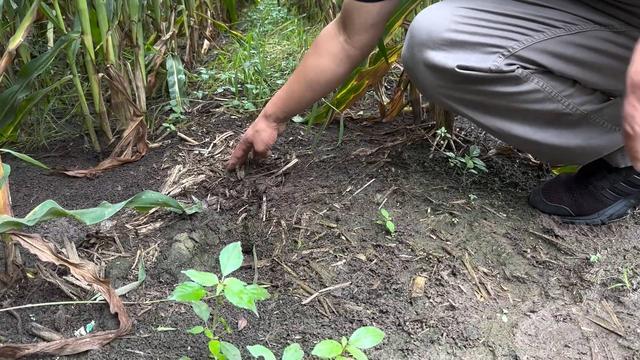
251,69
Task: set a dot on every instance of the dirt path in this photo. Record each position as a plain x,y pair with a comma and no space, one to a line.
501,281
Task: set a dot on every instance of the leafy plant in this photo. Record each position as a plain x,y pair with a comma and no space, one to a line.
469,162
624,280
291,352
362,339
353,348
386,221
595,258
205,286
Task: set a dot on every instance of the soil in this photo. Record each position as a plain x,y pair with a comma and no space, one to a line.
502,281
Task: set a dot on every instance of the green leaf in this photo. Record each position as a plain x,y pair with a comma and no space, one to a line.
202,310
188,292
391,226
230,351
366,337
385,214
201,277
26,158
257,292
236,292
214,348
327,349
261,351
230,258
293,352
176,80
196,330
356,353
12,98
49,209
208,333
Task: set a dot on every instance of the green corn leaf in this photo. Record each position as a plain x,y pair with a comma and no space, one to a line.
49,209
202,310
11,98
258,351
23,29
366,337
230,258
356,353
293,352
176,80
202,277
230,351
327,349
10,130
188,292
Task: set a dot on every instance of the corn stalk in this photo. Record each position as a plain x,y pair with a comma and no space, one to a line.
18,38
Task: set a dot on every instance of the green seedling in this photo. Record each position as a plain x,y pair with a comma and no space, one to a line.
624,280
353,348
291,352
595,258
206,287
386,221
469,162
362,339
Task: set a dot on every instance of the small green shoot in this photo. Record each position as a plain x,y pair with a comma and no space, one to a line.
595,258
469,162
624,280
386,221
362,339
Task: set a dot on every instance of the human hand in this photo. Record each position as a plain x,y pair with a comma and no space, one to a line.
259,138
631,121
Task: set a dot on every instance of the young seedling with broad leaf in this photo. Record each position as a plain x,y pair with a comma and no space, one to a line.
470,162
209,286
362,339
291,352
387,222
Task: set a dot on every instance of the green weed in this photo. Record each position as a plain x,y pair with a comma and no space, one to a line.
624,280
469,162
205,288
252,68
595,258
387,222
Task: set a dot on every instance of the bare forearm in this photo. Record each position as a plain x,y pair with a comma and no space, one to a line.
328,62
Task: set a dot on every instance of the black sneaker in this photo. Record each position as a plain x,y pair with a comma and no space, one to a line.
597,194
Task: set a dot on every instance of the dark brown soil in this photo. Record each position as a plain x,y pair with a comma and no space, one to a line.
502,281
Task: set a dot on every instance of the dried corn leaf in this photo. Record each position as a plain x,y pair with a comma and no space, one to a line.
84,271
133,145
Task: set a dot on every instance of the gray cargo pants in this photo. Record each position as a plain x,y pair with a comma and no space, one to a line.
546,76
